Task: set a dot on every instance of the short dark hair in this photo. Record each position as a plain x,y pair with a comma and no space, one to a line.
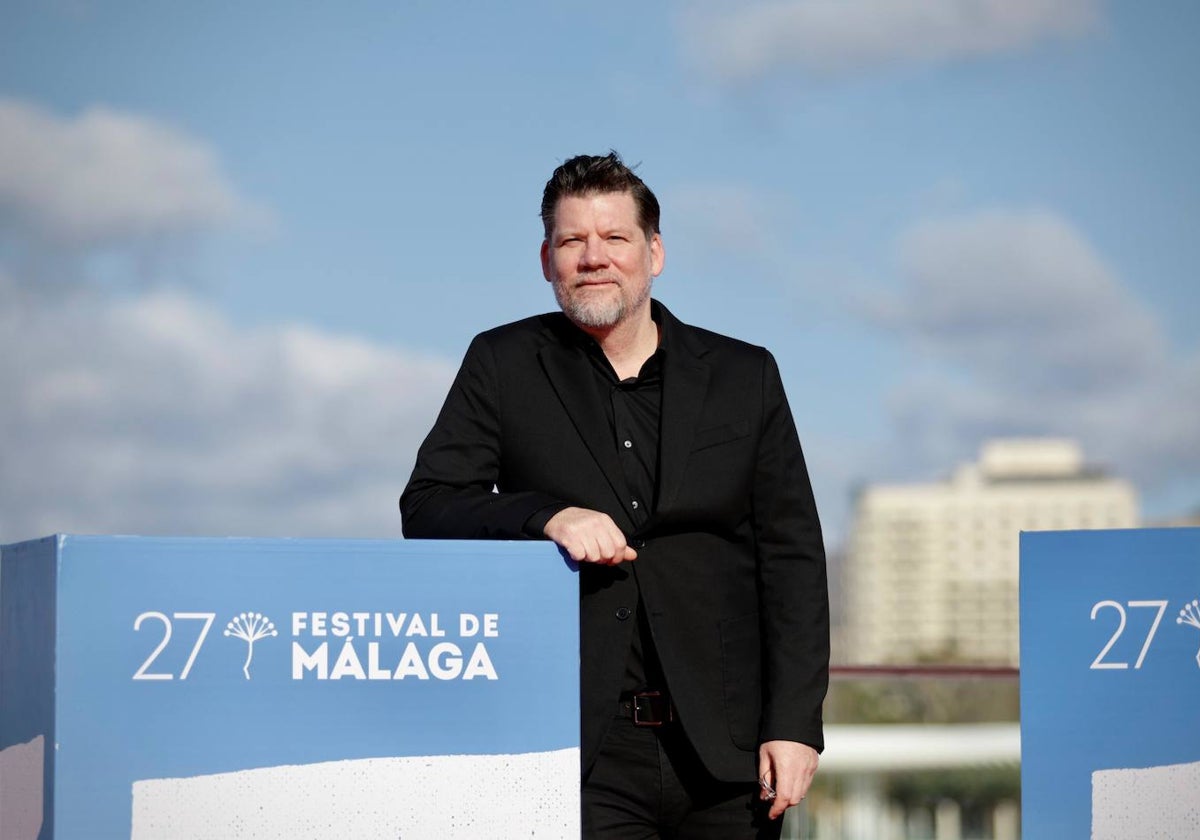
589,174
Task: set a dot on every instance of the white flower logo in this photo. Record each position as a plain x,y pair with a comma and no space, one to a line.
250,627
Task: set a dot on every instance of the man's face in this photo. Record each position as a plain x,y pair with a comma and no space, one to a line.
599,260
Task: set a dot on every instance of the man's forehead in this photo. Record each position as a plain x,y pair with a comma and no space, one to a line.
624,203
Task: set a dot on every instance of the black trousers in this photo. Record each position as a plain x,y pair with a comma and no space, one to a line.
649,784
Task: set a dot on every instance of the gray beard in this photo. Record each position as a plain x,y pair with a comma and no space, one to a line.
598,314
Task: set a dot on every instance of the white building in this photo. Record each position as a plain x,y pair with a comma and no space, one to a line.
931,569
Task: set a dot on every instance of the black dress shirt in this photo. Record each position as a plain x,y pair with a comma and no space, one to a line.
634,409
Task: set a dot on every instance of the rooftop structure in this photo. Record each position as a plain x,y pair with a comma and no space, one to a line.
931,569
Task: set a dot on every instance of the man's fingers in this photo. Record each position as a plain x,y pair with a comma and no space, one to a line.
767,791
790,767
618,554
784,799
601,547
778,808
766,777
589,536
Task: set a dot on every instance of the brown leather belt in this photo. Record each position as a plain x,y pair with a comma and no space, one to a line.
647,708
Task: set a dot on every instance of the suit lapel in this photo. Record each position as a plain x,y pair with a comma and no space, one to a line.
685,387
573,380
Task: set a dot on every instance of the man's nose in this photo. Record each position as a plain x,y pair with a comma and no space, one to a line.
595,252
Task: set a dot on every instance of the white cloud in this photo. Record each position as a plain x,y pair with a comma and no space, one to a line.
155,415
1024,292
152,413
743,41
1022,328
107,177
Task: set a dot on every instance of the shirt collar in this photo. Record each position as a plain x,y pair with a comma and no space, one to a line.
651,368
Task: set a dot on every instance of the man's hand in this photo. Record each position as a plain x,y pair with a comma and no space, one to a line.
788,767
589,536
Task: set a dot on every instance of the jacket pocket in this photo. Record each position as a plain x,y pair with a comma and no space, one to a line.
716,435
741,664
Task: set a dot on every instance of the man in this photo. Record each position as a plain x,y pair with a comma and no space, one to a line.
664,459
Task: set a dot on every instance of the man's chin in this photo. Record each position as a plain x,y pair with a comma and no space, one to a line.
594,317
596,314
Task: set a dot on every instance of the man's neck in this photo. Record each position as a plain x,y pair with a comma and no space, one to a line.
627,346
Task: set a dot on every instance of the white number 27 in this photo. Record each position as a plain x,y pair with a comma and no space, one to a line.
1098,663
143,673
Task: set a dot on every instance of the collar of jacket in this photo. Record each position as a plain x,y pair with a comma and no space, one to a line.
685,387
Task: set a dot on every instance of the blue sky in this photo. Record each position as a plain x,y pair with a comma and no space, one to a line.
243,246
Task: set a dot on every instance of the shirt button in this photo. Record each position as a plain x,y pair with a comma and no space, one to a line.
634,503
623,613
629,444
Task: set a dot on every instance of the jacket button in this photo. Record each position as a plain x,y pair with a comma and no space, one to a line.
623,613
637,545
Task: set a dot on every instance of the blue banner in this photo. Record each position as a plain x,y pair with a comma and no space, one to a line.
1110,681
205,686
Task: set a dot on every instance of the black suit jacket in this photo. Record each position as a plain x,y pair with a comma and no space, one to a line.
731,563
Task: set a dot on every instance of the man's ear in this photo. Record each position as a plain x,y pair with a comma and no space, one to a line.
546,260
658,255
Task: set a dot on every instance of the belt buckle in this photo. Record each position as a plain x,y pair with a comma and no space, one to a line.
648,708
